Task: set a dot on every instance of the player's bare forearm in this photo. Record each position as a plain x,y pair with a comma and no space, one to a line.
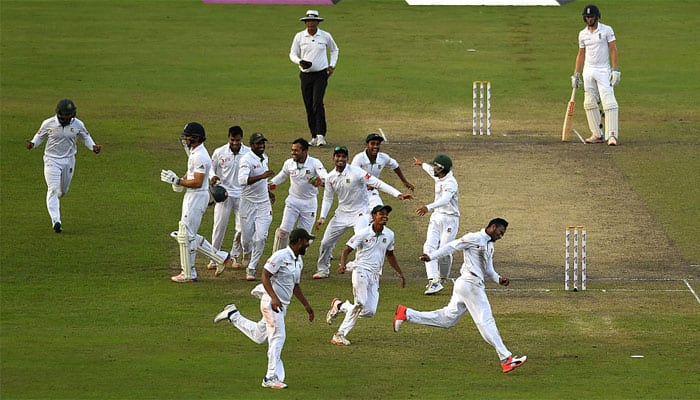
302,299
344,259
395,265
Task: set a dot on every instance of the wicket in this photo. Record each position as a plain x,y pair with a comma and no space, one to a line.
577,246
480,96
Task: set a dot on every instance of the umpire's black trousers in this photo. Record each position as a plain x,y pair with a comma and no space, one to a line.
313,88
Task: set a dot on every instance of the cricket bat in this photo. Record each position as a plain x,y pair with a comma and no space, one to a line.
568,117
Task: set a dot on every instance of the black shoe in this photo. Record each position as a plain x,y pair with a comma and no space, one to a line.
57,227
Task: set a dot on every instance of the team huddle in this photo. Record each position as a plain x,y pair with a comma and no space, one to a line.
238,181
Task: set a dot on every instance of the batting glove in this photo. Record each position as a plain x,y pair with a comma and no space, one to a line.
170,177
615,77
576,81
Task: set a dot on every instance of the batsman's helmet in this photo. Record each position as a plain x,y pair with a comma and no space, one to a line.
65,111
590,11
195,131
442,163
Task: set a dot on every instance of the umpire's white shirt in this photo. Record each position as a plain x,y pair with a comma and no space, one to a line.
285,268
478,255
351,187
313,48
371,248
224,164
253,165
299,175
61,141
199,162
596,45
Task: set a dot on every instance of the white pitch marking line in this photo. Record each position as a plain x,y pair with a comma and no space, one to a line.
579,136
383,135
691,290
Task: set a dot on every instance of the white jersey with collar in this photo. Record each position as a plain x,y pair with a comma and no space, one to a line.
252,165
350,186
446,193
371,248
224,164
308,47
285,268
299,175
199,162
596,45
382,162
61,141
478,254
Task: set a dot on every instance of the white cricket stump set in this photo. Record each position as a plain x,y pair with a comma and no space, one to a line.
579,247
479,95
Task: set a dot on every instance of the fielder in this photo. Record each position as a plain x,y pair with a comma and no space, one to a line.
224,170
469,293
60,133
444,221
597,51
374,161
194,203
305,175
349,183
256,202
373,244
280,280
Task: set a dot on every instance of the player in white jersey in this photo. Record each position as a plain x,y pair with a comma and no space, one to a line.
374,161
280,280
194,203
256,201
373,244
444,221
61,133
224,171
469,293
596,54
305,175
349,184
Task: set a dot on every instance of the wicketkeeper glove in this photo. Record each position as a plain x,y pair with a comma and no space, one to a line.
576,81
170,177
219,193
305,64
615,77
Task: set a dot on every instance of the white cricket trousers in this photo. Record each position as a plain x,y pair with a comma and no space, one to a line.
338,225
365,288
469,294
58,173
255,223
270,329
194,204
442,229
301,212
222,214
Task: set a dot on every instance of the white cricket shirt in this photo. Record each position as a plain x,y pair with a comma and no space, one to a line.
199,162
224,164
253,165
371,248
446,193
61,141
478,254
299,175
285,268
596,45
350,186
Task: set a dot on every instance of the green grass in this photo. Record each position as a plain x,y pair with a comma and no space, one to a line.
90,313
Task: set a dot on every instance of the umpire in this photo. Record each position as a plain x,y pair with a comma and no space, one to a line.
309,51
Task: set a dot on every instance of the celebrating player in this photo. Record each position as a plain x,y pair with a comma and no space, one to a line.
469,293
60,133
373,244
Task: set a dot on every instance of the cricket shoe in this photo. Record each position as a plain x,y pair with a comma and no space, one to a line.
250,275
512,363
340,340
57,227
433,287
321,274
321,141
313,142
211,266
399,317
228,311
273,383
182,279
612,141
220,268
235,262
595,139
333,312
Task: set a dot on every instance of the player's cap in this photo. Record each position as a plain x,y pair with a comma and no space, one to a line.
381,207
300,234
311,15
373,136
257,137
340,149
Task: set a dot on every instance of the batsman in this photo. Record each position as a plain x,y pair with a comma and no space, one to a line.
194,204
